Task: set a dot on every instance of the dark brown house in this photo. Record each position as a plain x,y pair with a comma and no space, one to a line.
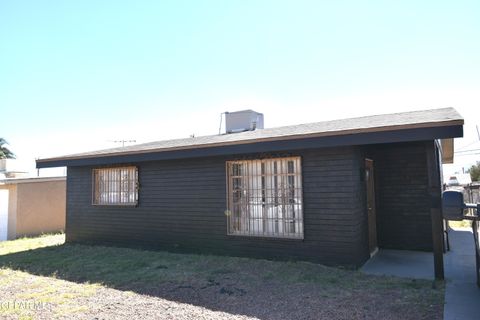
328,192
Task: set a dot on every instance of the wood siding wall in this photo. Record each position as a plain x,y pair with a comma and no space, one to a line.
403,201
182,203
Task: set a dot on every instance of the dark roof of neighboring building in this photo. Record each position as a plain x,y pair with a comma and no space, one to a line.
435,118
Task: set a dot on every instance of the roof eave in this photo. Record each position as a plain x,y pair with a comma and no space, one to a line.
453,129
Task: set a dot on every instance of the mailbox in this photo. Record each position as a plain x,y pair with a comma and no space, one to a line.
453,205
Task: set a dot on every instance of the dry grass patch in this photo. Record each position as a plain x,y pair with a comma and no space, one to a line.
86,281
25,244
460,224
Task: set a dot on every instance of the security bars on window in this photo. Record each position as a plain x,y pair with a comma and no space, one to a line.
115,186
265,198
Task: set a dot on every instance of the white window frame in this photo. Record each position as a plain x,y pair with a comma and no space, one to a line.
266,198
115,186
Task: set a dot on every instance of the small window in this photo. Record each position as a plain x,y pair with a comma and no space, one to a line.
265,198
115,186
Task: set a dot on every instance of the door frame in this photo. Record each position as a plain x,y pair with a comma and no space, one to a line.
371,211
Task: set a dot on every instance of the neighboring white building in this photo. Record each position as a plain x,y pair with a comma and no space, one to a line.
31,206
457,179
9,168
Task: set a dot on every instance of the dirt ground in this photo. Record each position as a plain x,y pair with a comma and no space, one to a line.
86,282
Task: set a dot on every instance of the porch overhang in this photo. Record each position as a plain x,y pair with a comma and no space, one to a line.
447,146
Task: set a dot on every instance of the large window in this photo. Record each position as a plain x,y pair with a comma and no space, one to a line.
115,186
265,198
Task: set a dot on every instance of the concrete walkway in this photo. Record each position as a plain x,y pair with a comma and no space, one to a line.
401,263
462,296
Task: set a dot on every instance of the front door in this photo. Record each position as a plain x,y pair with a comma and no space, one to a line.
372,217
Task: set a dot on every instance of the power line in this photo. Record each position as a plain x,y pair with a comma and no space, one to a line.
467,154
467,150
468,145
472,143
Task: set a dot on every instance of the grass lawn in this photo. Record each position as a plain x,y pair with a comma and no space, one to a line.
460,224
43,278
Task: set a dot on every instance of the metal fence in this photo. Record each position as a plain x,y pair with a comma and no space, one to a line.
471,194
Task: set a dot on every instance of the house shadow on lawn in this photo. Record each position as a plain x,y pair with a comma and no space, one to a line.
242,286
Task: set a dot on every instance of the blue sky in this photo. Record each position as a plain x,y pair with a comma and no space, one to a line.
76,75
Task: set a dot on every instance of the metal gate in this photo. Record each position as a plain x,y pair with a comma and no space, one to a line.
476,235
454,208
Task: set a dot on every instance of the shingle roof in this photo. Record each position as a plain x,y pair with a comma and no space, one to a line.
376,123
